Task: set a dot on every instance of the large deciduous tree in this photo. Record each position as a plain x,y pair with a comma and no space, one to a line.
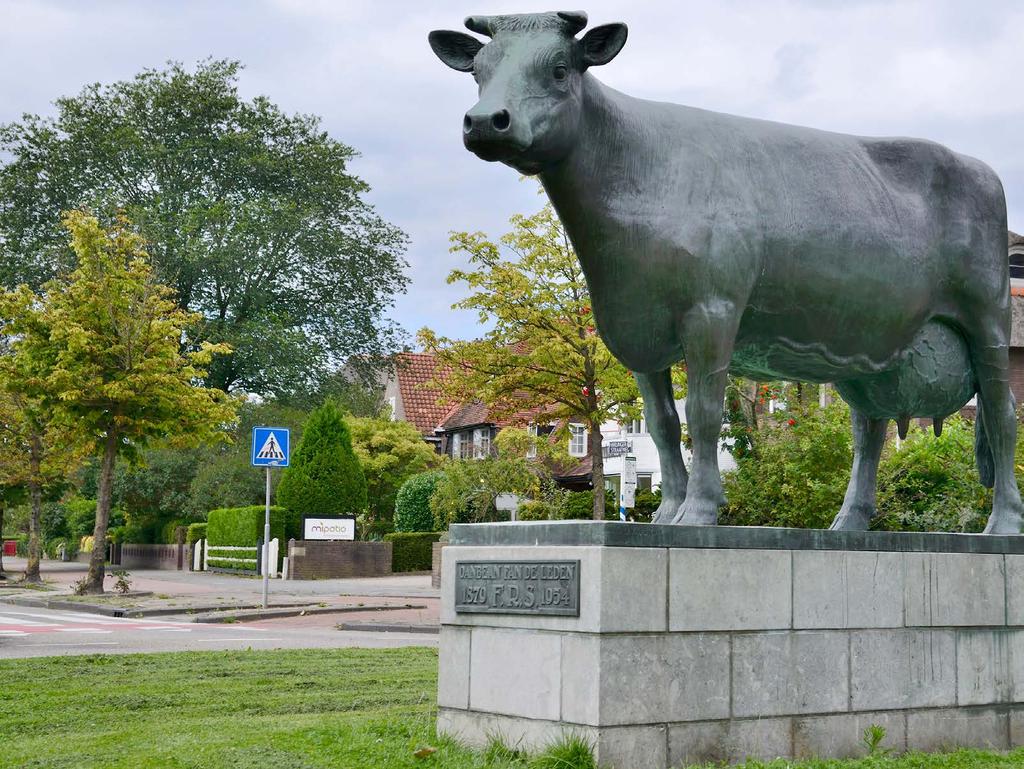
542,351
251,215
106,342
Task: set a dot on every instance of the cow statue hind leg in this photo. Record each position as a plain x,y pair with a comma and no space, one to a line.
999,422
859,503
709,333
663,423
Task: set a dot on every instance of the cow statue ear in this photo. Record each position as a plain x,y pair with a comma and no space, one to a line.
602,44
456,49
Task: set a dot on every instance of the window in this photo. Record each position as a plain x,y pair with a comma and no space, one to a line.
481,443
577,440
531,452
643,482
455,445
1016,265
393,405
465,445
636,427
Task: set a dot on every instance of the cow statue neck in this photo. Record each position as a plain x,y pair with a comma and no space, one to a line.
767,250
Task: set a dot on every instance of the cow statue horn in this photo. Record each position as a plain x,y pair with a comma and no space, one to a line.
479,24
576,20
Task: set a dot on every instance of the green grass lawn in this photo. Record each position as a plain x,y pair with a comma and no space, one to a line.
345,709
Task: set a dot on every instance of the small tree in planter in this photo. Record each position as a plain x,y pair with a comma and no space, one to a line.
324,476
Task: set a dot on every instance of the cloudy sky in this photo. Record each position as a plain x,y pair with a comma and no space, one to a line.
948,70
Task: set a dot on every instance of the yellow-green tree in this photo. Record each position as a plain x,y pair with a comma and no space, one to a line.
542,350
113,357
37,454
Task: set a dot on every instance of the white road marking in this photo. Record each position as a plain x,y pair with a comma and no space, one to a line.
13,620
83,643
12,633
168,629
84,630
218,640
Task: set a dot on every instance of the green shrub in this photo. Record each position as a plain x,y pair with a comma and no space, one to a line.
412,504
579,505
324,477
535,510
931,484
169,531
243,527
81,516
412,550
796,474
22,546
645,503
195,532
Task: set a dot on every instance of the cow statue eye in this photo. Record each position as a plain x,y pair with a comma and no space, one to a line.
561,72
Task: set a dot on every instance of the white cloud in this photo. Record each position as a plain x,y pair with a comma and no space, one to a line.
941,69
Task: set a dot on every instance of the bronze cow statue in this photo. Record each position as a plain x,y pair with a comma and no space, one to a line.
768,250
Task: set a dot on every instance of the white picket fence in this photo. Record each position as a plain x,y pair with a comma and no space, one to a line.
204,552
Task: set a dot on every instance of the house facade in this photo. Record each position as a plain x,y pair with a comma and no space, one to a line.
468,430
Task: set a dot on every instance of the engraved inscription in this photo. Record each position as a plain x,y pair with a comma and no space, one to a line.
518,587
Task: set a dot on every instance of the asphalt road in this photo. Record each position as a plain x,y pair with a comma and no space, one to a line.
30,632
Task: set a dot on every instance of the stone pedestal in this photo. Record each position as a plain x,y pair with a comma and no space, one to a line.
697,644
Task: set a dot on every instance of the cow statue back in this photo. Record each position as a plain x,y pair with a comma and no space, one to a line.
768,250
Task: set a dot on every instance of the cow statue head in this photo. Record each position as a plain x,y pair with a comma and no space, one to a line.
530,80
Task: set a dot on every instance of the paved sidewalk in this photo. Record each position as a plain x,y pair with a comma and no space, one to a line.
382,601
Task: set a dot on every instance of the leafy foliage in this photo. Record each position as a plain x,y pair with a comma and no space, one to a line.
412,550
105,345
390,452
412,504
797,474
196,532
252,216
543,353
932,484
324,476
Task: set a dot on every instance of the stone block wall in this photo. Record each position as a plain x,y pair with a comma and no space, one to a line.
310,559
688,654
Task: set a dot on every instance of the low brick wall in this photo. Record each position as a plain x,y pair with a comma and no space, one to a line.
435,571
309,559
153,556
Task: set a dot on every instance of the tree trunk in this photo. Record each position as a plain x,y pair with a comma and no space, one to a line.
94,581
3,508
597,469
35,495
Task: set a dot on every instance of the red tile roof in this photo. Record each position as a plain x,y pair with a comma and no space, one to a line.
415,370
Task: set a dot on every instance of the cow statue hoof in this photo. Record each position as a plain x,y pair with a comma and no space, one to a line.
666,512
696,512
1004,522
853,519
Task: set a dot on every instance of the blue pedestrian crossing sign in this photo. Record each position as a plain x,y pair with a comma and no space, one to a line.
270,446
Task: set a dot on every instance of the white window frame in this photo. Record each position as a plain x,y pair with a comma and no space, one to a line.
481,442
531,430
393,405
455,445
640,424
577,440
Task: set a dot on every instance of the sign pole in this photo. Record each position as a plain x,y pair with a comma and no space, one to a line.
266,545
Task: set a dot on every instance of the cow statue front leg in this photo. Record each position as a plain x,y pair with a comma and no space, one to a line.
663,424
709,333
859,503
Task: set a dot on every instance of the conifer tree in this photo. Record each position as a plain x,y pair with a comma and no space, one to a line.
324,476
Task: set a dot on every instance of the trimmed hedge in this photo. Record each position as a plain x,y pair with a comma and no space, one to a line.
412,503
195,532
243,526
412,550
